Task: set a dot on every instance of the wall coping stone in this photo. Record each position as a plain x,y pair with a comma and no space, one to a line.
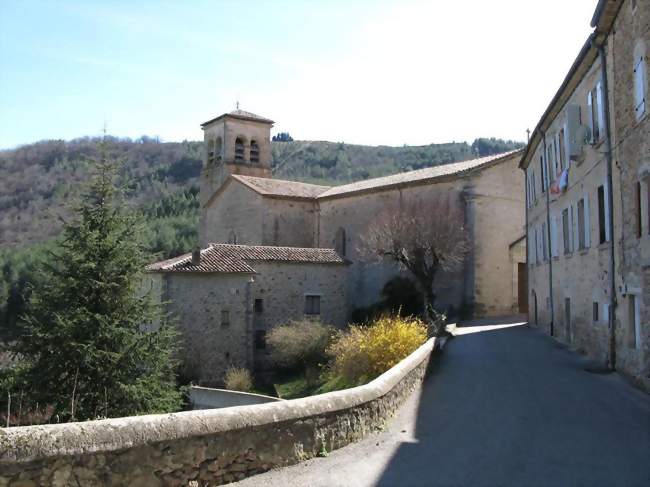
24,444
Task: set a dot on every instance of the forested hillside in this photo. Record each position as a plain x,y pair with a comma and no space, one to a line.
160,181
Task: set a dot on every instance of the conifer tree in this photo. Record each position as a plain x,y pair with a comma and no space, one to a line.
93,344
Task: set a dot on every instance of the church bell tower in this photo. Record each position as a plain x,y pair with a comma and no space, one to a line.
237,142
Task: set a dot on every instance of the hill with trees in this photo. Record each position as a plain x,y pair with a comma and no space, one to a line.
160,180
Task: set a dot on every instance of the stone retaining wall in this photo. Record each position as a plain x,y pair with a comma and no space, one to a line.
209,447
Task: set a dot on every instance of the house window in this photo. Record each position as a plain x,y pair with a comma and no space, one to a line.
255,151
239,149
647,202
561,154
634,323
595,312
565,231
544,242
550,161
595,103
260,339
637,209
581,224
259,305
602,223
639,82
225,318
312,305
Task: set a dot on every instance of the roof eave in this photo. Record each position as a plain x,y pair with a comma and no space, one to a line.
421,182
238,117
579,68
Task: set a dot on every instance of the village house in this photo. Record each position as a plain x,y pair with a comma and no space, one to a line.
587,169
274,250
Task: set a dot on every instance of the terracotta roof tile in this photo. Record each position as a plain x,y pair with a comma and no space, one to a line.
228,258
281,188
455,168
241,114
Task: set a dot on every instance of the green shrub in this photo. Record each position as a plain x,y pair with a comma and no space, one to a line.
362,353
299,345
238,379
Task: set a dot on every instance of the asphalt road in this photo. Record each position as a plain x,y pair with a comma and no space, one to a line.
505,406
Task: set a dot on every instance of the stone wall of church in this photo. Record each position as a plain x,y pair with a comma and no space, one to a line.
496,198
354,214
288,222
237,212
494,208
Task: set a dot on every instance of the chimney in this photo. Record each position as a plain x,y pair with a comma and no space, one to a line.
196,256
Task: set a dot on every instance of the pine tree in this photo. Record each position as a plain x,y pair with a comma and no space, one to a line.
93,344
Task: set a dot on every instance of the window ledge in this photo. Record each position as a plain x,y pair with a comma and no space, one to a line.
569,255
603,246
556,258
584,251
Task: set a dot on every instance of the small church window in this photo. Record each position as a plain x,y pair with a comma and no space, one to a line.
312,305
225,318
239,149
339,241
255,151
259,305
232,237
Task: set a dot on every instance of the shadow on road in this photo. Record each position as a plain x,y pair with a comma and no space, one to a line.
504,406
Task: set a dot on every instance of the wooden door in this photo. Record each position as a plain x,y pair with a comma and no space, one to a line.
522,288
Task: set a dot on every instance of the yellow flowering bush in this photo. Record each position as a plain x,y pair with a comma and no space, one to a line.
362,353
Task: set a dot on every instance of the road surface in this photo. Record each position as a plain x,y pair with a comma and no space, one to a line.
504,405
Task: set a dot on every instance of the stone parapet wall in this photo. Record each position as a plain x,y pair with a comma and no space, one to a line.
208,446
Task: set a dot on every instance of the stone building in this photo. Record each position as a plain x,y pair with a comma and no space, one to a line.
244,206
226,297
588,222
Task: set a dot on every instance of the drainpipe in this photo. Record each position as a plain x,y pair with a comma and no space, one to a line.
548,235
612,268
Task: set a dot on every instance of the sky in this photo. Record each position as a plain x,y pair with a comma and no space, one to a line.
357,71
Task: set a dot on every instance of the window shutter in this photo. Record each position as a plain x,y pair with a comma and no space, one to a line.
608,230
575,226
590,109
554,249
587,222
567,146
639,87
600,109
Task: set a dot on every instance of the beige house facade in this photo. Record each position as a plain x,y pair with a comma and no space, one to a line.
243,207
587,214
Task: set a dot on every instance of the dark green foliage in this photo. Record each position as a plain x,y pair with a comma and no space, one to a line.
486,147
91,344
400,296
282,137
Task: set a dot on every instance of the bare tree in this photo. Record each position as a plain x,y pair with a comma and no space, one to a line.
423,239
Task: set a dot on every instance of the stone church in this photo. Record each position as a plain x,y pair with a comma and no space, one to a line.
274,250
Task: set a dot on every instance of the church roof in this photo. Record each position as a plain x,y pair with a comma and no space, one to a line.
419,175
242,115
281,188
230,258
293,189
